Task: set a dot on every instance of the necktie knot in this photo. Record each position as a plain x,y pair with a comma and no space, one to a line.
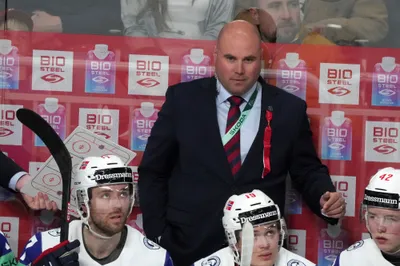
235,100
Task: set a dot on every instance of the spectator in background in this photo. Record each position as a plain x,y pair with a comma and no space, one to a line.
196,19
392,39
347,21
285,13
15,20
73,16
262,20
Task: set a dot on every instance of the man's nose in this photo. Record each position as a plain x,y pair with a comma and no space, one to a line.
239,68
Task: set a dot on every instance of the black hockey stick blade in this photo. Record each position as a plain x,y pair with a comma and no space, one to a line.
60,154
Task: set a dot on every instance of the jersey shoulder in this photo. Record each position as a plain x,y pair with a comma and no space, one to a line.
38,243
150,252
288,258
222,257
358,246
5,247
356,252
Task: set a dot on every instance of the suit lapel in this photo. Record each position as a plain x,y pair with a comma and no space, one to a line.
215,149
267,99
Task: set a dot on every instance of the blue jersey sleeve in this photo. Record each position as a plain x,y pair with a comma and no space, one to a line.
7,256
32,250
337,261
168,259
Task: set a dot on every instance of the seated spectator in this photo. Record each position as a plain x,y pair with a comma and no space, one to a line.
15,20
73,16
347,22
286,14
392,39
196,19
263,20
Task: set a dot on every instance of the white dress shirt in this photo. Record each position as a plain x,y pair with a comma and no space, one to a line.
249,128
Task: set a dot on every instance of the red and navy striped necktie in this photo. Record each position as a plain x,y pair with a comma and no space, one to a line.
232,148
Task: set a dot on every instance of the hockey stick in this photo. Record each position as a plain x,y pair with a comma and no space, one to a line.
247,244
60,154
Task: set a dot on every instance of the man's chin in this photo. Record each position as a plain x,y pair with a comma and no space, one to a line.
285,36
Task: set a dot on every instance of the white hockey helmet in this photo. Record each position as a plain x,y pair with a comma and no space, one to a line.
383,189
254,207
95,172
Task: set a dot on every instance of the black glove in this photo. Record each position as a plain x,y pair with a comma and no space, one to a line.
62,254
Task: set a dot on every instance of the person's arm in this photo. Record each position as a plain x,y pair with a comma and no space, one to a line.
310,177
12,176
155,169
221,13
10,172
368,21
130,9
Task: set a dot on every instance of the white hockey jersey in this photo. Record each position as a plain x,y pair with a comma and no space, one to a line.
138,250
224,257
364,252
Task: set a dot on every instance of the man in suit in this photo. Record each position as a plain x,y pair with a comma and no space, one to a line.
12,176
187,174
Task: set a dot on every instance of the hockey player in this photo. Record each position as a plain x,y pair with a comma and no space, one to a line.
381,211
269,233
7,257
104,194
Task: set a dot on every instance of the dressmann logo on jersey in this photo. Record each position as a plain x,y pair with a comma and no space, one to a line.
212,261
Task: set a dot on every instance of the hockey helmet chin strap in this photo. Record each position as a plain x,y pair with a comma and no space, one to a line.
396,253
96,234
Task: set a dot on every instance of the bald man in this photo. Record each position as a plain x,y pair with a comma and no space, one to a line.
226,135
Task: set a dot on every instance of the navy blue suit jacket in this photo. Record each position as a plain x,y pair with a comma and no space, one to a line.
185,178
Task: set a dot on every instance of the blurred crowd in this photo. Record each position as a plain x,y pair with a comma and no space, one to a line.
342,22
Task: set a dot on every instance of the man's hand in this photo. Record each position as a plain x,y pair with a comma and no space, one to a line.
40,201
44,22
62,254
333,205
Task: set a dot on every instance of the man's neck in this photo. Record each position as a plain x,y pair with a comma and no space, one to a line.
98,247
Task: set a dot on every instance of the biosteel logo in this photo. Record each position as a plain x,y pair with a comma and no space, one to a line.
148,82
339,78
52,64
386,136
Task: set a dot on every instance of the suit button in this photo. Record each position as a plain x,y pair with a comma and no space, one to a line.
235,190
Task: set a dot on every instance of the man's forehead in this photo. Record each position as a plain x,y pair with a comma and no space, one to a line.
383,211
239,48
